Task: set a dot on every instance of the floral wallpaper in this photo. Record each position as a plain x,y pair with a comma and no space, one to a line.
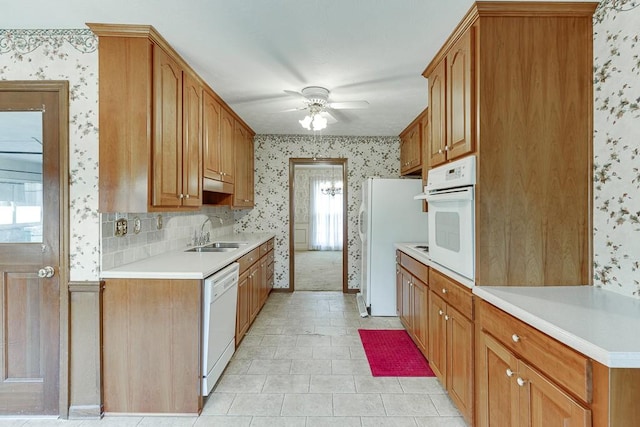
71,55
67,55
616,184
366,156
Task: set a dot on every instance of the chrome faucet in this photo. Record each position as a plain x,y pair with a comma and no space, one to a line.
203,239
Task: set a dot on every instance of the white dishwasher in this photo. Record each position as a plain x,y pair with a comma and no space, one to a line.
219,324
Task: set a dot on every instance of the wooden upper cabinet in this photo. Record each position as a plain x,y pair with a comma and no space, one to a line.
167,133
212,114
450,101
437,114
192,142
155,116
411,149
177,137
459,85
243,188
228,146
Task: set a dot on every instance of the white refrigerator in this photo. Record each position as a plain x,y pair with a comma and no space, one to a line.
388,214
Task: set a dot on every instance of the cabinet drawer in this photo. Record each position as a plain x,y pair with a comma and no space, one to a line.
455,294
271,257
264,248
247,260
416,268
563,365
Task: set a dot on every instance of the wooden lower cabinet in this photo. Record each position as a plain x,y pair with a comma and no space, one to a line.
451,352
255,284
151,346
412,292
512,393
525,378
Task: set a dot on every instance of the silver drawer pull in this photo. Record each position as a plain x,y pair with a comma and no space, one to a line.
444,291
521,382
515,338
446,317
509,373
440,313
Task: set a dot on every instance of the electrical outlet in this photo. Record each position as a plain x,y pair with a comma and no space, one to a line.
121,227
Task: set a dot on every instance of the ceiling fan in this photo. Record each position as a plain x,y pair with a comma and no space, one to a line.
316,99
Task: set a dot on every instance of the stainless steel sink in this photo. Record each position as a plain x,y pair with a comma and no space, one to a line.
224,245
210,249
217,247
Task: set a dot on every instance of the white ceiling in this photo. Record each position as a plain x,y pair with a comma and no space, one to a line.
250,51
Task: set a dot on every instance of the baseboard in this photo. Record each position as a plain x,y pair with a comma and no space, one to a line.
85,412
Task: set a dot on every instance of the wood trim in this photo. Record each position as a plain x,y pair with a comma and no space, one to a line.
510,9
89,286
85,412
149,32
345,249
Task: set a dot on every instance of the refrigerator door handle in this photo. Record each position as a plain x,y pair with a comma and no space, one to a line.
360,231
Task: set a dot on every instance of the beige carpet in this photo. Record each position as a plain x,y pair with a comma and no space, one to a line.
318,271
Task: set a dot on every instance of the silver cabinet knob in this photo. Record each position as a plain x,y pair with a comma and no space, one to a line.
515,338
46,272
439,151
440,312
509,372
180,196
446,317
186,196
446,148
521,382
444,291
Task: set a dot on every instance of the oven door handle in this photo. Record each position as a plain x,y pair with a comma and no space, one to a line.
453,195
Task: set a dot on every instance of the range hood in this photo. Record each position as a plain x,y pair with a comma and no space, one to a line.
215,186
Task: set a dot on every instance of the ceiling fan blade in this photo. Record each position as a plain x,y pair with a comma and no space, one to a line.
292,109
331,119
296,94
348,105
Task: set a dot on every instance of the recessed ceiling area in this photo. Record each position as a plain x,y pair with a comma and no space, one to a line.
251,51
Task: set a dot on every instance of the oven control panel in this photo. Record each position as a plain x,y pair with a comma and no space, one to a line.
455,174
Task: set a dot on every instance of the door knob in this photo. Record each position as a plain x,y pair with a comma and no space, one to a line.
46,272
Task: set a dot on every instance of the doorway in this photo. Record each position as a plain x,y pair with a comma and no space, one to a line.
318,224
33,247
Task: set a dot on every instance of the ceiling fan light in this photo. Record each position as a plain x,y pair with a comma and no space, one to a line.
319,122
306,122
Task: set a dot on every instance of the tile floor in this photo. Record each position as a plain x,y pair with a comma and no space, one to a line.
302,364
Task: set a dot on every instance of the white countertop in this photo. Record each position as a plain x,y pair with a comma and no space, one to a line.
423,257
187,265
600,324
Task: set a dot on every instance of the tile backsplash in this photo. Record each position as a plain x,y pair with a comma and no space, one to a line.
178,229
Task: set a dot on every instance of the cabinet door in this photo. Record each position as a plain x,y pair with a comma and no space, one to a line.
242,311
243,191
212,116
264,287
543,404
437,336
410,150
459,85
254,290
227,146
419,314
405,308
192,142
167,134
437,113
460,361
496,371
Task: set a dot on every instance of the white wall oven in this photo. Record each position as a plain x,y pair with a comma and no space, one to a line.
450,195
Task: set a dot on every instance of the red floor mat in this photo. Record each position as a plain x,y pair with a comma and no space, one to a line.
392,353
